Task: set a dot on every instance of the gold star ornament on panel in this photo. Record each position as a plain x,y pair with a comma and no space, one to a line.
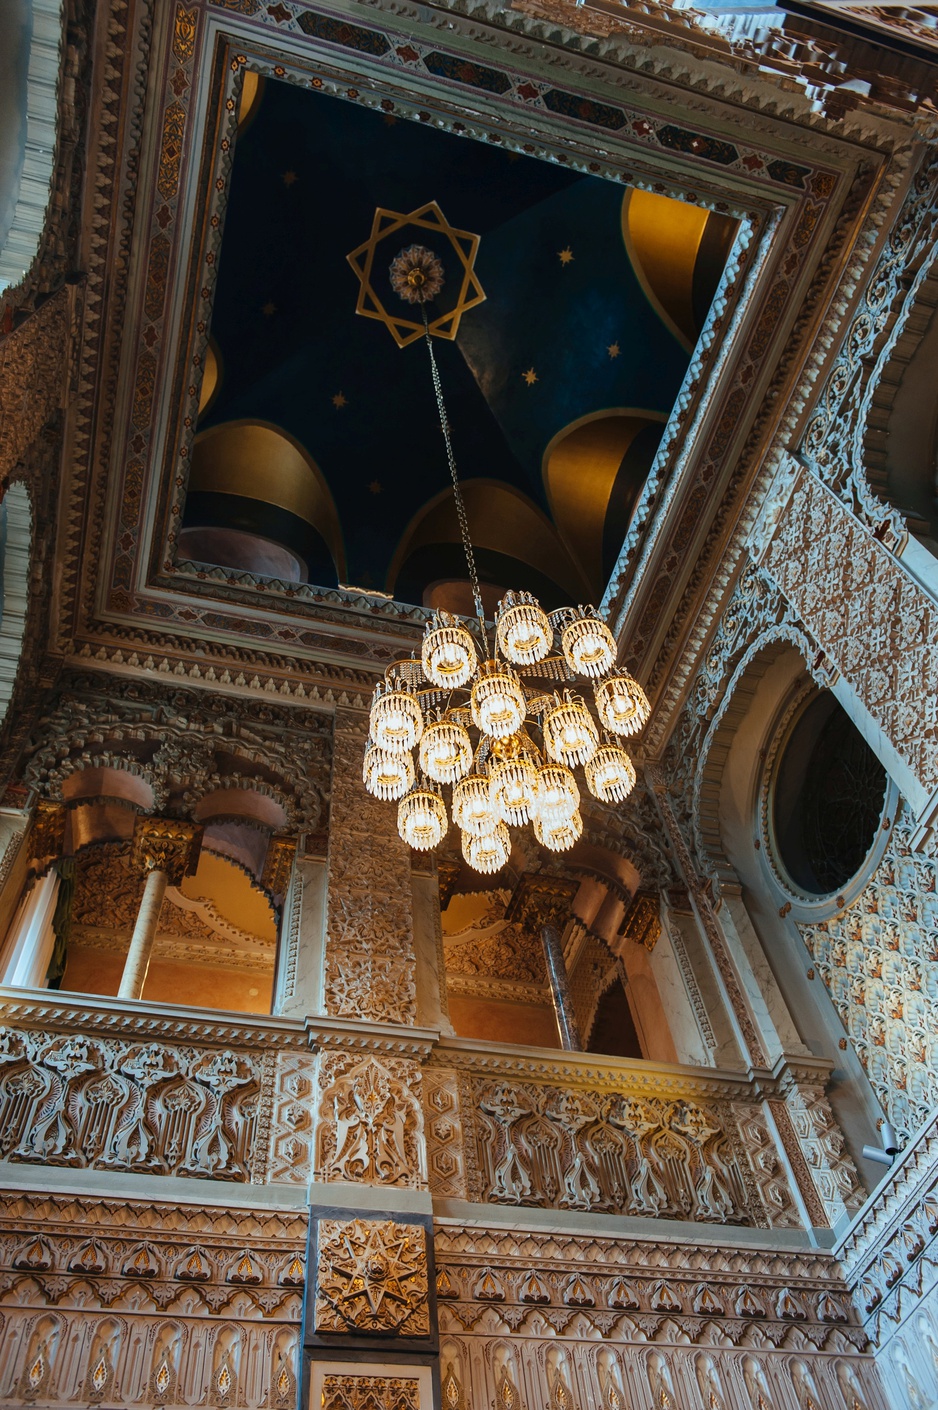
389,225
530,376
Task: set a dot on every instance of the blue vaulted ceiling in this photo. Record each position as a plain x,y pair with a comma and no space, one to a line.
565,333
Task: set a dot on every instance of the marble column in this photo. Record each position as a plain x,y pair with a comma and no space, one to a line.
542,900
165,850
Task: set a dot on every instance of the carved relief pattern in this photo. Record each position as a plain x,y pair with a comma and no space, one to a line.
370,1393
528,1143
370,966
762,1157
292,1119
372,1278
594,970
119,1303
445,1153
869,615
833,1175
33,362
94,1102
369,1122
891,1261
879,960
567,1319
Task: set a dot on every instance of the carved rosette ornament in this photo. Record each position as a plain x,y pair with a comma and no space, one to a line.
372,1278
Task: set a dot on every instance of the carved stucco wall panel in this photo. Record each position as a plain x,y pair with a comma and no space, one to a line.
370,960
890,1259
879,960
499,1140
876,624
116,1302
369,1122
79,1098
372,1278
561,1320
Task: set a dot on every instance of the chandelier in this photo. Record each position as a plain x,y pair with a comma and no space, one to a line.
505,734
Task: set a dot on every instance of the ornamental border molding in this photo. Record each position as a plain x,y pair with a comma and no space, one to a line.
139,1021
759,511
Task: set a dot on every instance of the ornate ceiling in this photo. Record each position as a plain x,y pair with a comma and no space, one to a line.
512,93
563,330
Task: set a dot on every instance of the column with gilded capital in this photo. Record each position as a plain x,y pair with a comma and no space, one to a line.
543,900
165,850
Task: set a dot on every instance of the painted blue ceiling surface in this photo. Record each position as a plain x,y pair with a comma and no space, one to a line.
560,336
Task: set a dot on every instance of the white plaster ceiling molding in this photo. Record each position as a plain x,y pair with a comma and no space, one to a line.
30,55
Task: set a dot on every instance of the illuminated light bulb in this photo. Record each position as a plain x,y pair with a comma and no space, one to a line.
610,774
387,776
472,805
561,835
570,733
622,704
524,632
588,645
498,704
396,721
445,751
513,787
489,852
421,818
448,655
557,795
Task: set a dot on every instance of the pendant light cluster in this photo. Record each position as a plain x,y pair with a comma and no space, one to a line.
504,733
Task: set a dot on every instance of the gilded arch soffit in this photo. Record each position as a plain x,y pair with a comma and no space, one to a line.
798,194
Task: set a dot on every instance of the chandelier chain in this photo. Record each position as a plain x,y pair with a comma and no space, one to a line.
457,492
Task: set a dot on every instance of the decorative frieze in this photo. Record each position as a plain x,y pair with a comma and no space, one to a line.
503,1141
122,1302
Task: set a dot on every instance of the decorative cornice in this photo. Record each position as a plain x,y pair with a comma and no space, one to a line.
136,1019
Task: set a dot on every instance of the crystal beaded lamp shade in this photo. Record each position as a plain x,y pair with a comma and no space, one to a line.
498,705
570,734
387,776
524,632
421,819
513,789
622,704
396,721
610,774
588,645
487,853
557,794
559,836
445,751
472,805
448,655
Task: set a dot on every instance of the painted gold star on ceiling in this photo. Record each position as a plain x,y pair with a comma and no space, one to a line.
386,228
613,350
530,376
269,309
565,256
339,400
376,487
289,177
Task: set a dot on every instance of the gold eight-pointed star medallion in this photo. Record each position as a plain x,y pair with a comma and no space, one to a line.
387,227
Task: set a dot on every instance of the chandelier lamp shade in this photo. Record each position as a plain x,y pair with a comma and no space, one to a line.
506,731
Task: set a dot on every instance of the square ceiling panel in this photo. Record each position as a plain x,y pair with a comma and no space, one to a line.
563,331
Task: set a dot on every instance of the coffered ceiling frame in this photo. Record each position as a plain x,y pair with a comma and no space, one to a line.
137,598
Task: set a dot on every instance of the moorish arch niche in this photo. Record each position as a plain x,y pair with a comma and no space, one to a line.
501,981
141,801
812,844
